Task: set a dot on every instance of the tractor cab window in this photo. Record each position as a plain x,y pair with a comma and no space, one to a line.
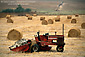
46,35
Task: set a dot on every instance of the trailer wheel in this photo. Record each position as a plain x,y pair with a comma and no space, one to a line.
35,48
60,48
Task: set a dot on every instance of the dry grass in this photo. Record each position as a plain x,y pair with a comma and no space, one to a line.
74,47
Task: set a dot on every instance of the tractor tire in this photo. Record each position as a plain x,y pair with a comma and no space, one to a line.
35,48
60,48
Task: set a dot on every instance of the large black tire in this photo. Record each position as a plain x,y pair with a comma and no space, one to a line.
60,49
35,48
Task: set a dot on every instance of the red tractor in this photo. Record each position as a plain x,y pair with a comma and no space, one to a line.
41,42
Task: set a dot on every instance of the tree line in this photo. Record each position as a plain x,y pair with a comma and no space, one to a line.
19,9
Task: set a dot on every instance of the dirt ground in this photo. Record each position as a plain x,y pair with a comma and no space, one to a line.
75,46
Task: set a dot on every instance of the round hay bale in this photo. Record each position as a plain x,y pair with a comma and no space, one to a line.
57,19
74,32
8,16
83,25
50,21
9,21
73,21
27,15
42,18
76,15
69,17
44,22
14,35
34,14
30,18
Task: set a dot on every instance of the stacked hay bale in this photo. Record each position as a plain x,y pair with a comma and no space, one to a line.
74,32
83,25
42,18
14,35
8,16
9,21
73,21
34,14
27,15
57,19
76,15
30,18
50,21
69,17
44,22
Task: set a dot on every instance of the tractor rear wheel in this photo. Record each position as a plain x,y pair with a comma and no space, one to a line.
35,48
60,48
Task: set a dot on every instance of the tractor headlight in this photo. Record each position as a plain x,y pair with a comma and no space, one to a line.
54,41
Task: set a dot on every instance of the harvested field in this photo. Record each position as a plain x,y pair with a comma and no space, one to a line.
75,46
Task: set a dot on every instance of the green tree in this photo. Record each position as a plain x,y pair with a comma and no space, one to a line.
7,11
28,10
19,9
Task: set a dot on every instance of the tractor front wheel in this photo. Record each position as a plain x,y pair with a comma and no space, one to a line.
35,48
60,48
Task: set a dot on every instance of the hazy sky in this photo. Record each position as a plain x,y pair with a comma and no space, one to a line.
44,5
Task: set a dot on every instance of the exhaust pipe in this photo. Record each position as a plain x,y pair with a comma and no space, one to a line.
63,29
38,36
55,32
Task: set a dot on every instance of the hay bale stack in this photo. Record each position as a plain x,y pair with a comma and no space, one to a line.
69,17
44,22
83,25
76,15
14,35
27,15
30,18
42,18
73,21
50,21
74,32
34,14
9,21
8,16
57,19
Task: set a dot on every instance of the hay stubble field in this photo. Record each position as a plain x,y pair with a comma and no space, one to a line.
75,46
